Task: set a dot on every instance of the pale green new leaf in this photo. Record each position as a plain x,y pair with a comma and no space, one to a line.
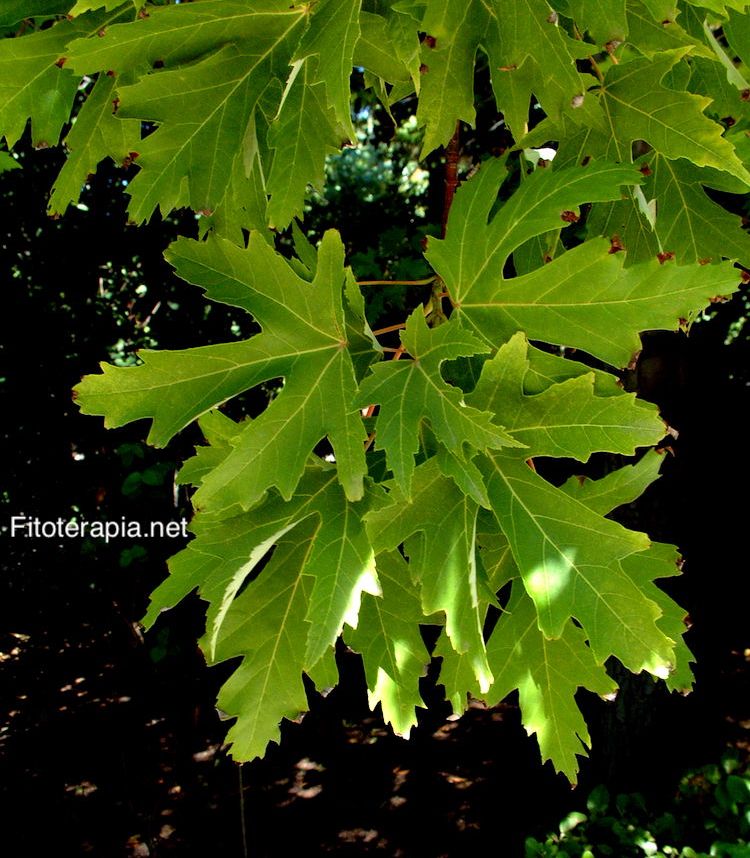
442,558
303,340
547,674
393,652
410,390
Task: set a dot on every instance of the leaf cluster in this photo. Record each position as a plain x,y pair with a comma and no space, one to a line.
387,487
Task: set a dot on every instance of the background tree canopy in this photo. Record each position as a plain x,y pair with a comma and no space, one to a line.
429,442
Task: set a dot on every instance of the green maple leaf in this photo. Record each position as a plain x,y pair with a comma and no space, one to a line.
96,135
303,341
339,560
569,559
567,419
547,674
84,6
331,37
619,487
218,58
548,671
389,48
663,561
267,625
546,369
639,107
514,33
651,35
304,132
36,82
288,616
688,222
387,635
8,162
659,561
442,558
410,390
15,11
534,56
605,22
454,29
584,298
567,554
219,431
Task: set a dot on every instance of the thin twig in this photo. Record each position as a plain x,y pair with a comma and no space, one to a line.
425,282
390,328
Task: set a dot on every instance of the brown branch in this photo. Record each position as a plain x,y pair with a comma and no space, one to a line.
451,176
425,282
390,328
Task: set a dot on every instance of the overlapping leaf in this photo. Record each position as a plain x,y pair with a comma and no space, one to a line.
408,391
547,671
267,625
339,559
393,652
445,567
584,298
242,103
96,135
547,674
36,82
568,418
515,36
303,341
